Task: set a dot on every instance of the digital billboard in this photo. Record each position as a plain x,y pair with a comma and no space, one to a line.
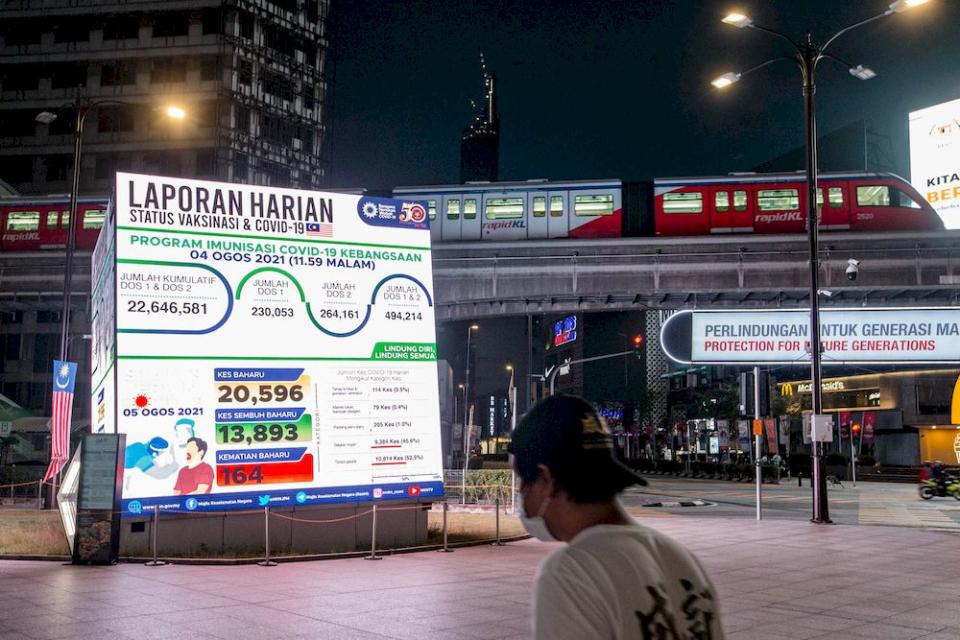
893,335
935,158
274,347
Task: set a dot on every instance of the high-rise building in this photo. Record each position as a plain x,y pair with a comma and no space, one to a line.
480,142
248,73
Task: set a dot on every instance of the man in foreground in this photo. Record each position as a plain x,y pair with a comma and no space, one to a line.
615,578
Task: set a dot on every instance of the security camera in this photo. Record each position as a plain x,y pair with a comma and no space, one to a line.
853,268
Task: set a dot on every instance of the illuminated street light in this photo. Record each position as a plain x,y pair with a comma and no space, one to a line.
175,112
725,80
738,20
807,54
902,5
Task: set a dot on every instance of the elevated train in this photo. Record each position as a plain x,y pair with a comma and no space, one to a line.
745,203
537,209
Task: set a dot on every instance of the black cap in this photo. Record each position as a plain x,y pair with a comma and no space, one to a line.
565,433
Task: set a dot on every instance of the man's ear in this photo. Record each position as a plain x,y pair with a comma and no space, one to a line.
547,477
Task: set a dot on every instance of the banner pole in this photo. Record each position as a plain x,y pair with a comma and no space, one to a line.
446,548
266,562
153,538
373,538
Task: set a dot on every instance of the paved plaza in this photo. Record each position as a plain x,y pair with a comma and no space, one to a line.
777,579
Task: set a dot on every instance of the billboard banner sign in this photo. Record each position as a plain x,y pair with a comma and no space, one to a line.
880,336
935,158
274,347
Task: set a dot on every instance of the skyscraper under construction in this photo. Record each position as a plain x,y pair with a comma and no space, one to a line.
480,142
249,75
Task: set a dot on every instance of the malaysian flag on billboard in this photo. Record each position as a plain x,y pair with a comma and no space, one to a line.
64,378
319,230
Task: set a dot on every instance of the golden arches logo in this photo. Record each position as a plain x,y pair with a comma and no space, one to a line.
955,404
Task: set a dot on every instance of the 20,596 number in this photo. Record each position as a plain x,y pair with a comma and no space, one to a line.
262,393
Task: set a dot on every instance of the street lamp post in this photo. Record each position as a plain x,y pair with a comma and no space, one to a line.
466,405
81,108
807,55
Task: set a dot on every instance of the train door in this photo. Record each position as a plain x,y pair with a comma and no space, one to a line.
470,225
558,214
449,220
835,211
537,221
730,210
54,226
505,215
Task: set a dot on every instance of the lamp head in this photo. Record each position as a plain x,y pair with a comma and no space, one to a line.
862,72
45,117
737,20
727,79
902,5
175,112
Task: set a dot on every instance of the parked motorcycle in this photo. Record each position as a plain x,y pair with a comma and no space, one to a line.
931,488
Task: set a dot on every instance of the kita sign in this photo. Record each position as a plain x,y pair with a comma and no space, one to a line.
882,336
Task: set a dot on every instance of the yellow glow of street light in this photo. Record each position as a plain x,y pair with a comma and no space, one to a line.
474,327
175,112
902,5
737,20
725,80
509,367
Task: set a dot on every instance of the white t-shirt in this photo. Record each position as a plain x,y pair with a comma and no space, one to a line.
624,582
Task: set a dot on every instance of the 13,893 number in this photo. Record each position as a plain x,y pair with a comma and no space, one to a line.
263,393
259,433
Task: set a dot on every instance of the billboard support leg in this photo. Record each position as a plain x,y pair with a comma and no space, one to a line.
266,562
446,548
153,538
373,538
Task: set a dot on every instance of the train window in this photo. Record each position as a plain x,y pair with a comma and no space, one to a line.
721,201
453,209
739,200
834,197
432,209
500,208
556,206
778,199
599,205
903,199
539,206
23,221
52,219
470,209
873,196
93,218
677,202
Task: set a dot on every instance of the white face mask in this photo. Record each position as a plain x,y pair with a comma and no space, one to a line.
536,525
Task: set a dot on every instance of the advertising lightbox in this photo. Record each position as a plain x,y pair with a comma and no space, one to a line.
935,158
274,347
888,336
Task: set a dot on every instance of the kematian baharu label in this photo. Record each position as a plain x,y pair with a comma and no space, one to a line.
273,346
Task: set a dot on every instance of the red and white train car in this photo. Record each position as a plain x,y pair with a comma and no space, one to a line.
31,223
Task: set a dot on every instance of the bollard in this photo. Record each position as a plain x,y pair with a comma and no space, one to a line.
373,538
153,538
266,562
40,495
799,478
496,506
446,548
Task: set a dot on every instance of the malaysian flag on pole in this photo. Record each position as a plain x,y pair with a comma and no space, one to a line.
64,377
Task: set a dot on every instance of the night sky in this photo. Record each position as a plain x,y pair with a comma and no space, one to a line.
616,89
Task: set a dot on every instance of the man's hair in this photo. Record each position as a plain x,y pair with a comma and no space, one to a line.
201,445
581,460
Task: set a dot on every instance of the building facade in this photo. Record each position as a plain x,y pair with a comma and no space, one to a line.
248,73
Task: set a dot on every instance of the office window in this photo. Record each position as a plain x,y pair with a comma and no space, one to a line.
503,208
593,205
539,206
245,72
76,29
121,28
556,206
171,24
778,199
23,221
453,209
212,21
68,75
117,74
678,202
470,209
165,71
209,68
112,119
206,163
721,201
11,346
